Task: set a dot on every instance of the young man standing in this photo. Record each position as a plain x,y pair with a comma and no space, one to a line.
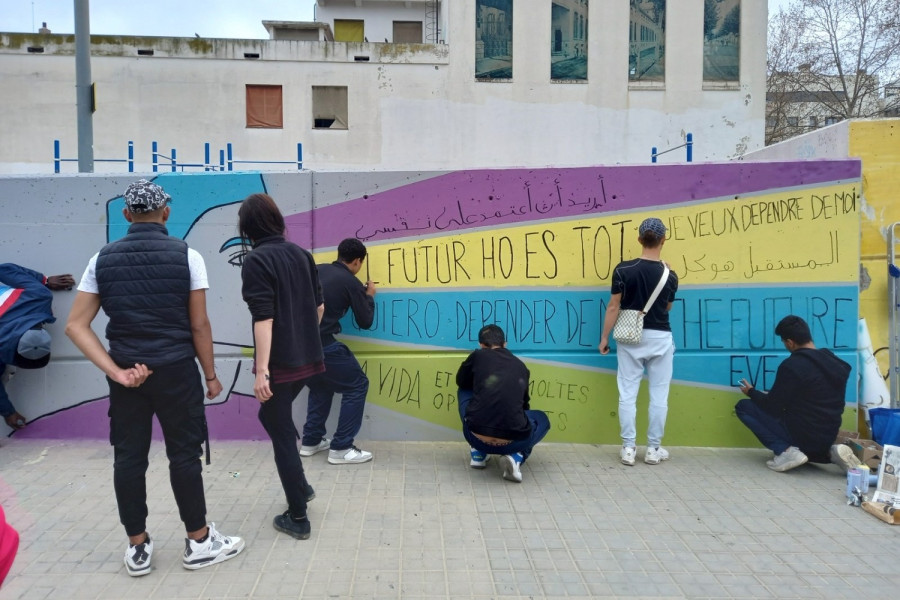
799,418
493,405
343,374
153,289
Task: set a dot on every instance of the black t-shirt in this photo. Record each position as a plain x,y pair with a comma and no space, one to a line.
635,280
499,381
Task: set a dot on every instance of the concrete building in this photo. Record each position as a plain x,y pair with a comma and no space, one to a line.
408,95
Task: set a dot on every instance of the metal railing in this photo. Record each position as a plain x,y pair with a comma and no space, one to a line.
688,143
58,160
171,162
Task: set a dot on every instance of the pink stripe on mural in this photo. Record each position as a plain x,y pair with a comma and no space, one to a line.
468,199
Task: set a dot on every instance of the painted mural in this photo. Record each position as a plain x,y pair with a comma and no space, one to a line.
722,40
647,41
531,250
568,39
493,39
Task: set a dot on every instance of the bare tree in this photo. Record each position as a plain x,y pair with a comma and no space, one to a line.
831,60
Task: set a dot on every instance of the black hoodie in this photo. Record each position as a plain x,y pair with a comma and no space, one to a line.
808,394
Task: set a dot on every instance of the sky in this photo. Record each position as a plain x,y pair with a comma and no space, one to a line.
168,18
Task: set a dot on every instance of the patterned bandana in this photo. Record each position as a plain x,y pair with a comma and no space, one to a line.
653,224
143,196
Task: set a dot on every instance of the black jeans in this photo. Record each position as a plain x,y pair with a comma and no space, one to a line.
174,393
277,418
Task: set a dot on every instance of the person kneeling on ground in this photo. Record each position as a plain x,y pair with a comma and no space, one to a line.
493,405
799,418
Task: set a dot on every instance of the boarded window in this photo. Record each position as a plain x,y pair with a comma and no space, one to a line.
264,107
347,30
407,32
329,107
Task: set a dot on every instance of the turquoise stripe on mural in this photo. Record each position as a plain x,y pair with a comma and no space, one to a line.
722,334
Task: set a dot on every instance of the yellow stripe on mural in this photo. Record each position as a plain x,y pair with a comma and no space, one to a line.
811,235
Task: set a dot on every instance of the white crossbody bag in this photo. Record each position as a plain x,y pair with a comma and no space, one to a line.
629,328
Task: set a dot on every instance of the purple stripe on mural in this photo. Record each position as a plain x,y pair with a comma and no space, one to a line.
235,419
467,199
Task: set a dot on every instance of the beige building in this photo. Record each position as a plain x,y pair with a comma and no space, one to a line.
405,97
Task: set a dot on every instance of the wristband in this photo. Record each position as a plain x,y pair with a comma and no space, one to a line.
213,378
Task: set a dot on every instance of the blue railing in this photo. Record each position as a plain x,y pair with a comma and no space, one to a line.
58,160
171,162
688,143
226,160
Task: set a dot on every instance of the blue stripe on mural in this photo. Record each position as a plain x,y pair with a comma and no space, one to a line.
722,334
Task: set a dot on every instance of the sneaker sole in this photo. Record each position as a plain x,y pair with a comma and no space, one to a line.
655,462
845,459
137,572
293,534
789,465
344,461
221,557
308,453
478,465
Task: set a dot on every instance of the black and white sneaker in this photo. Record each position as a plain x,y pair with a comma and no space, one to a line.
137,558
215,549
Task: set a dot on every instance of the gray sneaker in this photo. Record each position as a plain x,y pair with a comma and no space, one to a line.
351,455
787,460
843,456
215,549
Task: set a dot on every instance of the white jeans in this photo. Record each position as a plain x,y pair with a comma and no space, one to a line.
654,353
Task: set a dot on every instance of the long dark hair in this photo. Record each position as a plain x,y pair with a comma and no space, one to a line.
259,217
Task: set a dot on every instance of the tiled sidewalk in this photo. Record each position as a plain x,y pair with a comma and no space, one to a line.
418,523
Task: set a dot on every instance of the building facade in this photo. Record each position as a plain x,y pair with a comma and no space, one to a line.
431,85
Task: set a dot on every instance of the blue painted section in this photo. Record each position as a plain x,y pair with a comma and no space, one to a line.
192,196
722,334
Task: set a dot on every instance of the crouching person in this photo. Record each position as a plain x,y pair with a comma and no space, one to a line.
493,406
799,418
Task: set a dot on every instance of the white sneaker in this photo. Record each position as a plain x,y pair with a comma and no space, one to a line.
349,456
787,460
478,459
325,444
654,456
627,455
137,558
511,464
217,548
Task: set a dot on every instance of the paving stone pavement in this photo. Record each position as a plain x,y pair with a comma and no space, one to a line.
418,523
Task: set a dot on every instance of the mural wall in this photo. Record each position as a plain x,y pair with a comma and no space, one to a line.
531,250
877,143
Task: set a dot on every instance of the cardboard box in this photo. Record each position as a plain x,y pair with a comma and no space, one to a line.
867,451
844,435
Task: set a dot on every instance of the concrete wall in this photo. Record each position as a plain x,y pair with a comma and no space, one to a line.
529,249
409,105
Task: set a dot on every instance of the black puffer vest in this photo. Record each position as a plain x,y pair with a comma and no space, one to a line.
145,284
